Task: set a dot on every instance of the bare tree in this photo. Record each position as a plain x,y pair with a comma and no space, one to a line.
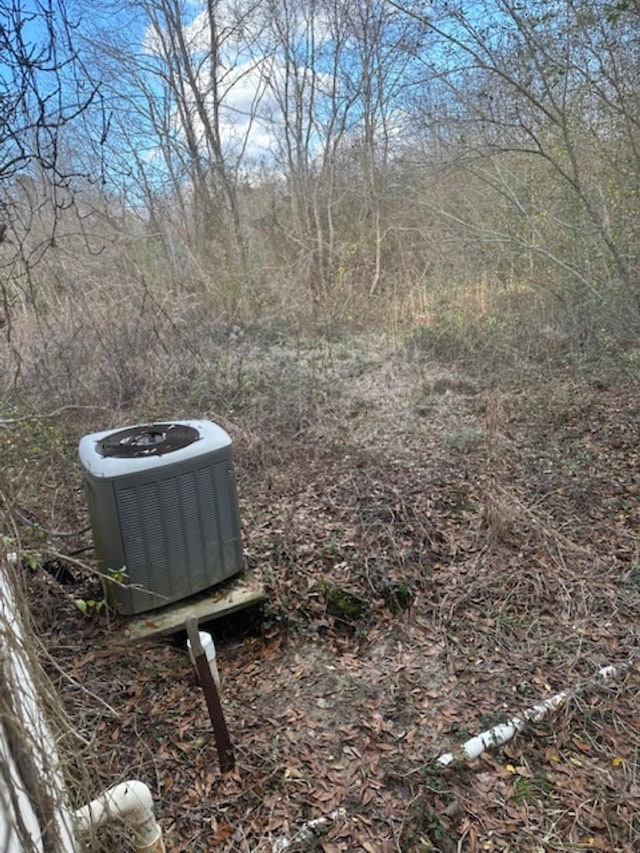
302,74
556,83
383,46
337,76
44,91
182,140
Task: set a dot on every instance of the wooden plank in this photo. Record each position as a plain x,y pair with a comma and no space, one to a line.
218,602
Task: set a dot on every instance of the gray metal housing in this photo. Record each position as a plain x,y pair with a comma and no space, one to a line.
171,523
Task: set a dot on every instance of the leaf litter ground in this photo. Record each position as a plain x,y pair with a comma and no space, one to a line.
439,556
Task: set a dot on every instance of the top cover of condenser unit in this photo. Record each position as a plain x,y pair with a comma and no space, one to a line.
111,464
164,511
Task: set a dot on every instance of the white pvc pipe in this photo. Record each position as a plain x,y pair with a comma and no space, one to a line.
130,802
209,648
503,732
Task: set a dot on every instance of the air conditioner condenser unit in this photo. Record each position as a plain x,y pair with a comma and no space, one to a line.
164,511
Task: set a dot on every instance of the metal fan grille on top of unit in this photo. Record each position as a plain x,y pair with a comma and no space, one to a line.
150,440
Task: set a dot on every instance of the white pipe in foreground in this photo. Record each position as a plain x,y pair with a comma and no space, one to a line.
130,802
503,732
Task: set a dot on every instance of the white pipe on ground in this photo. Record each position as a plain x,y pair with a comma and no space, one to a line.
130,802
503,732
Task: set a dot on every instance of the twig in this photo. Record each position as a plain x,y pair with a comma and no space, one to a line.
68,677
58,534
54,414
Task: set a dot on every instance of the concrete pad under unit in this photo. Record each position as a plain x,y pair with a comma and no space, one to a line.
236,594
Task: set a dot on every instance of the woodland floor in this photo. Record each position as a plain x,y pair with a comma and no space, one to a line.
441,552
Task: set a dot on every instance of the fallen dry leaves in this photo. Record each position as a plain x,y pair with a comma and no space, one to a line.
467,618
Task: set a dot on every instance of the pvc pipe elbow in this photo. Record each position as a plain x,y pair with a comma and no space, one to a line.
130,802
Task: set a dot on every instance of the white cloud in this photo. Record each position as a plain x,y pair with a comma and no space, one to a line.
251,71
246,104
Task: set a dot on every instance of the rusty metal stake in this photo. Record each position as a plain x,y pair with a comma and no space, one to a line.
220,731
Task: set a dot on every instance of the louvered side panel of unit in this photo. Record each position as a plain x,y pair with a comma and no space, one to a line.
176,544
209,523
228,519
195,574
143,548
180,534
